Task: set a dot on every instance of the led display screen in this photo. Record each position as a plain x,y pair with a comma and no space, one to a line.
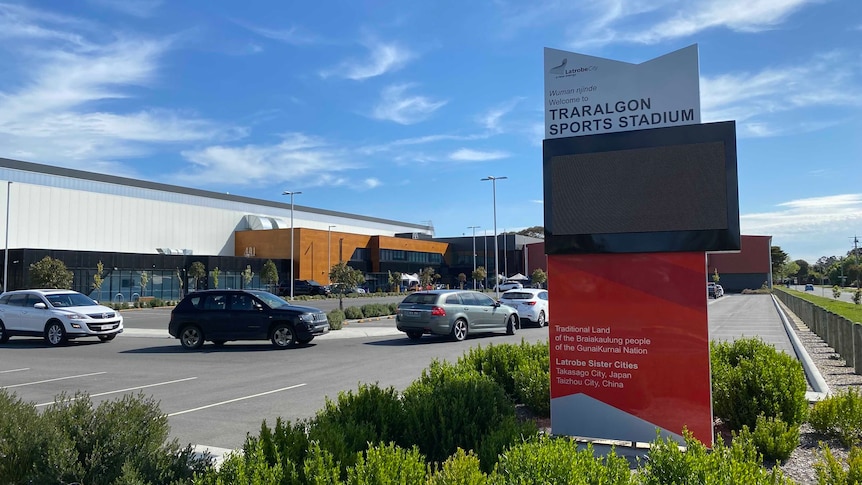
659,190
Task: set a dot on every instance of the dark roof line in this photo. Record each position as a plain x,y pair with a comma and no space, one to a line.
114,179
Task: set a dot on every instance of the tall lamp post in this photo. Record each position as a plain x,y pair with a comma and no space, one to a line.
474,255
291,194
6,250
329,252
496,243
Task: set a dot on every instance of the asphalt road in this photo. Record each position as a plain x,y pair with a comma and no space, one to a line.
215,396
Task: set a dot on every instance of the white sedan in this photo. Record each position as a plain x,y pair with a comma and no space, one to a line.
531,303
509,285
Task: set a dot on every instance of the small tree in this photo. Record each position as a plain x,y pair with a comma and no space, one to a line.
247,275
426,277
180,279
145,278
269,273
462,278
539,277
50,273
480,274
857,296
395,281
836,292
197,271
715,276
97,278
215,274
344,278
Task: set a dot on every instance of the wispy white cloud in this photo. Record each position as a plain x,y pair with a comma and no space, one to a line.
492,119
372,183
137,8
294,35
756,100
299,159
469,155
382,58
808,223
398,106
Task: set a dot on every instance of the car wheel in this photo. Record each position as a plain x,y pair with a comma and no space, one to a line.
459,329
541,320
219,343
55,334
511,325
4,336
191,337
282,336
107,338
414,335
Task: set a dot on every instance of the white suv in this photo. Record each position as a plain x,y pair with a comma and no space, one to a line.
56,315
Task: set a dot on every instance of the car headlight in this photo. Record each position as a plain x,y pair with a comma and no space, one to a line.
76,316
306,317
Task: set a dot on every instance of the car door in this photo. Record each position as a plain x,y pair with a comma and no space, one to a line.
15,313
494,314
543,300
477,309
214,318
247,318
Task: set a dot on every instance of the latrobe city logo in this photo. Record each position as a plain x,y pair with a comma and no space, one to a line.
563,71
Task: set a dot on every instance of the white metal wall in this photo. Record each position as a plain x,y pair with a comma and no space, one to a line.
48,217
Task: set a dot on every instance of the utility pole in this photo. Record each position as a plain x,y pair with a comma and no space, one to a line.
856,250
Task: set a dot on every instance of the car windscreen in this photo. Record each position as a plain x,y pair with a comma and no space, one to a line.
422,298
271,300
62,300
516,296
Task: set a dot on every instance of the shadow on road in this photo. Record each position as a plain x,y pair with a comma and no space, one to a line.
214,349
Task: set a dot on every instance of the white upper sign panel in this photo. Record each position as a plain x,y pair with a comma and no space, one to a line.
587,95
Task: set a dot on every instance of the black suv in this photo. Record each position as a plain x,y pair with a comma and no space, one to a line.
302,287
223,315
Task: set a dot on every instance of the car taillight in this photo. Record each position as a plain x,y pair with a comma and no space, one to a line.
530,303
438,312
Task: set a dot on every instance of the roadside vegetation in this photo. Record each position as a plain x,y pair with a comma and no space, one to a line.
850,311
480,420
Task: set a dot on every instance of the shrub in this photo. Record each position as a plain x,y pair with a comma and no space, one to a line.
387,464
336,319
750,378
462,468
558,460
773,438
250,467
857,296
157,302
447,409
738,463
353,313
285,446
839,416
836,292
374,310
347,426
831,471
533,384
393,308
320,467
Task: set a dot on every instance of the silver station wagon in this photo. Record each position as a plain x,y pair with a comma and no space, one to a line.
456,313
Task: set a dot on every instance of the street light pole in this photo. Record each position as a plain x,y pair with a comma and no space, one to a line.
6,251
474,255
329,252
291,194
496,243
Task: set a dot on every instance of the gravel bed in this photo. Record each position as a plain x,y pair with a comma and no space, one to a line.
838,376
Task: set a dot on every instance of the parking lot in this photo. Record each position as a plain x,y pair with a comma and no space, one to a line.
214,396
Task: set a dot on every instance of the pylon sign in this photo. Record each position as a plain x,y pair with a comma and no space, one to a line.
586,95
636,191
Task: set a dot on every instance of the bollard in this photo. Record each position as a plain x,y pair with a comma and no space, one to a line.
857,348
831,329
845,344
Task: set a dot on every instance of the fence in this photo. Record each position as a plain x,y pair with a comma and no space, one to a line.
838,332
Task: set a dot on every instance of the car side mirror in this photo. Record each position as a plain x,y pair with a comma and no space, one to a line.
40,306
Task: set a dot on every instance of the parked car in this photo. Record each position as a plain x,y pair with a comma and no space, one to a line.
531,304
509,285
714,290
456,313
57,316
809,287
302,287
220,316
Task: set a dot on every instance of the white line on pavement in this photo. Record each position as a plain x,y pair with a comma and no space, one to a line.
13,370
52,380
235,400
123,390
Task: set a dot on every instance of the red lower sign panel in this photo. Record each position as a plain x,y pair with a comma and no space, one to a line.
629,346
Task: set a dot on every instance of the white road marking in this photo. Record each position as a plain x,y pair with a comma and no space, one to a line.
235,400
123,390
13,370
52,380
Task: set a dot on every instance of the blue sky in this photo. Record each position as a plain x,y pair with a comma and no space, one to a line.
398,109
